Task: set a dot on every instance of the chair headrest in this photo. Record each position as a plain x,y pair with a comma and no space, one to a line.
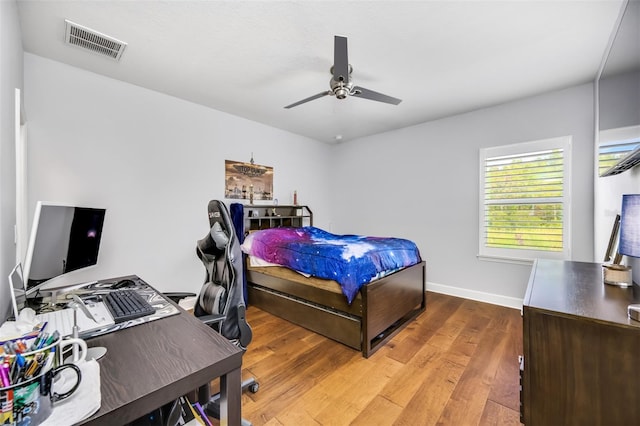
219,236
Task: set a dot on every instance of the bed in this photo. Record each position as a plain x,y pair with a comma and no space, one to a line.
364,318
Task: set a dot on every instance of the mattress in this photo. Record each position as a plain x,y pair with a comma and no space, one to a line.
350,260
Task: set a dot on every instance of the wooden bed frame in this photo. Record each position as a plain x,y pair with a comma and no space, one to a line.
380,310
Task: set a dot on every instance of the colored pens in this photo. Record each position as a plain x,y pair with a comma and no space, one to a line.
4,374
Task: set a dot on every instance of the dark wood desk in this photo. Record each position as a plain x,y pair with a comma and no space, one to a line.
153,363
581,351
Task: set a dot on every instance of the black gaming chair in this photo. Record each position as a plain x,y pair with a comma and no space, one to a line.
220,303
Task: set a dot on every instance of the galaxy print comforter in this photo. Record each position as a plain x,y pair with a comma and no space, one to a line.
351,260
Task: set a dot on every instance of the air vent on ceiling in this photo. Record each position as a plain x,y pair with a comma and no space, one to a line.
94,41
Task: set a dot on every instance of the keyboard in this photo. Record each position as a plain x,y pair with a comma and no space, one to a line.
62,320
126,305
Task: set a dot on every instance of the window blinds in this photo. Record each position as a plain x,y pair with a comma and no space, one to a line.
523,201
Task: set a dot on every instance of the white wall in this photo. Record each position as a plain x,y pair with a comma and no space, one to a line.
154,161
422,183
10,79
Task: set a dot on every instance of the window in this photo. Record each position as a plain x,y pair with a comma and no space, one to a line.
524,200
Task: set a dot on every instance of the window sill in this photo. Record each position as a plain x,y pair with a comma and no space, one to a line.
512,260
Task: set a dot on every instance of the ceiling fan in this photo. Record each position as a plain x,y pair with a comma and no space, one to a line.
341,84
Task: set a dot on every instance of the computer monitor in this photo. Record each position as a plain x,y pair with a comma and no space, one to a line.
63,239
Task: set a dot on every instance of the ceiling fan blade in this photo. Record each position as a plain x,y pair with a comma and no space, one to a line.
361,92
340,60
310,98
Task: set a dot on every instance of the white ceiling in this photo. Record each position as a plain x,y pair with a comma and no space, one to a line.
251,58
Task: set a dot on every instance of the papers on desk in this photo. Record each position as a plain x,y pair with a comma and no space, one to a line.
62,320
83,402
29,324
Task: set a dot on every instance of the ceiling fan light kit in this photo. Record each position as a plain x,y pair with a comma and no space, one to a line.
341,84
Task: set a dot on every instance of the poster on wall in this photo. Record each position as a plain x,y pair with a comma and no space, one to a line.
248,181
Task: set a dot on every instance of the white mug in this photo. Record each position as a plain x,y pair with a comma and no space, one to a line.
79,349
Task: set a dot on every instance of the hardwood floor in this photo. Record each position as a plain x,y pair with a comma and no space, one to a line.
456,364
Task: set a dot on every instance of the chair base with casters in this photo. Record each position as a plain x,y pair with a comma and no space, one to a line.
211,403
212,408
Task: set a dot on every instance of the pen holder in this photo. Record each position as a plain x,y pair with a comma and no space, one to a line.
26,395
31,402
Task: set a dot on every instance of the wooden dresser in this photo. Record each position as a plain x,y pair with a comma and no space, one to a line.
581,361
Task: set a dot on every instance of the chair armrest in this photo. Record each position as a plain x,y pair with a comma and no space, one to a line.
176,296
211,319
245,330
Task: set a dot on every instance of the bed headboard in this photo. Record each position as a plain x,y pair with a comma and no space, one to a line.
258,217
